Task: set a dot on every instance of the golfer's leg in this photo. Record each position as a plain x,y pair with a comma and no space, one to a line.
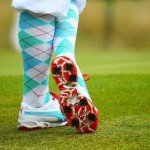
75,101
64,42
36,33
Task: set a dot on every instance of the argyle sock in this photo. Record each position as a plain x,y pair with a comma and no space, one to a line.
36,38
64,42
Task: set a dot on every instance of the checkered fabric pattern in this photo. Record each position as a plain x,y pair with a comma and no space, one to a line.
64,41
36,33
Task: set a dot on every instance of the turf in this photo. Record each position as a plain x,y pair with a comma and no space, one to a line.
120,88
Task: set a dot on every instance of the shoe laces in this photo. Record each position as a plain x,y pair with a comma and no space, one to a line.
86,77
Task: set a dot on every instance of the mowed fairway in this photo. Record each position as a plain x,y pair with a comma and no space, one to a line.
119,87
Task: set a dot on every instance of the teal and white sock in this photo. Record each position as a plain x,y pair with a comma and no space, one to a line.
36,38
64,41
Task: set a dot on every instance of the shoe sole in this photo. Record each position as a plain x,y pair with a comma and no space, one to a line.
79,110
26,128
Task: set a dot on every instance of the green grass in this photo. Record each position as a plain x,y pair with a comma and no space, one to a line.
120,88
102,63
